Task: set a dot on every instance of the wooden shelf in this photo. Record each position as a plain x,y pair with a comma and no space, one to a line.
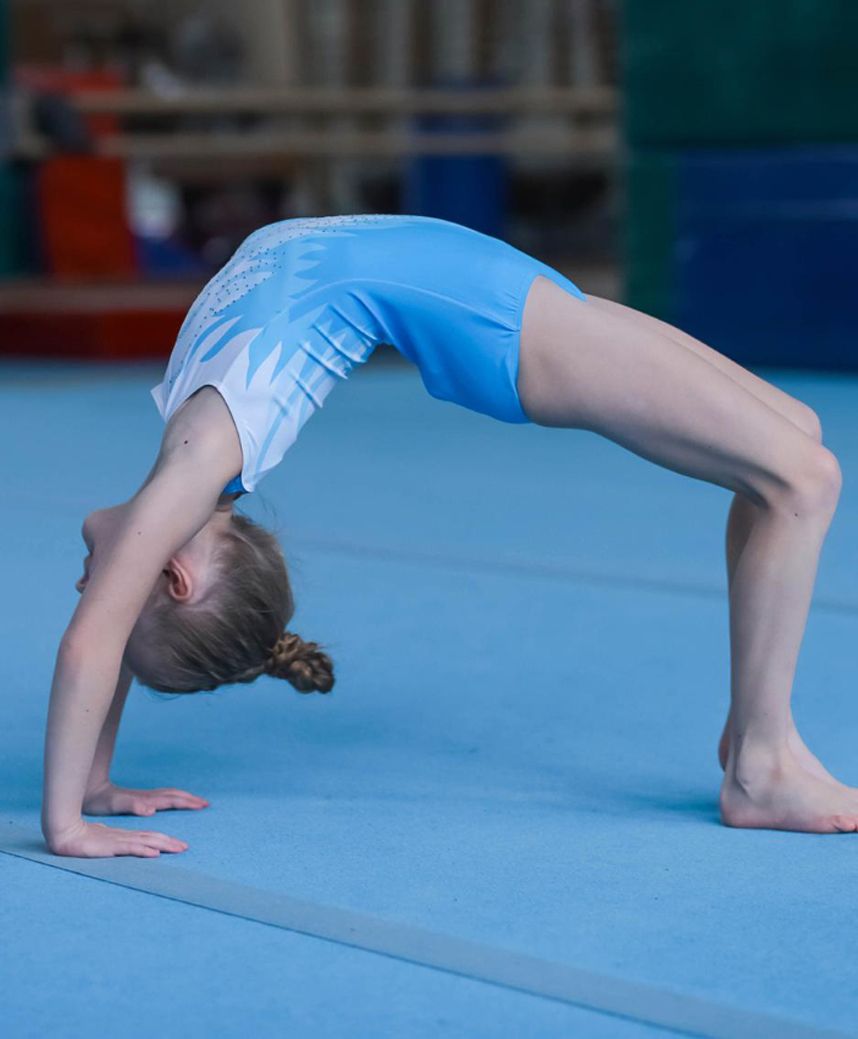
41,295
596,100
599,144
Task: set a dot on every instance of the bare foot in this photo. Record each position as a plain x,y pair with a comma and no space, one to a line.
799,749
778,794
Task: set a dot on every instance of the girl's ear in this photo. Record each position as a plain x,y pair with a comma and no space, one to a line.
179,582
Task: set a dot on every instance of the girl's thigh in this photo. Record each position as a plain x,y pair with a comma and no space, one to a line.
587,367
799,413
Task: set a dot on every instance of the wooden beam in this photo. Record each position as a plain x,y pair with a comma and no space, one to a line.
353,101
338,143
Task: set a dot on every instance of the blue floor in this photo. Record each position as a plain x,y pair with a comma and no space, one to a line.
530,631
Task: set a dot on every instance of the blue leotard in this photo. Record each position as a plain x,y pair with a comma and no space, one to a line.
302,301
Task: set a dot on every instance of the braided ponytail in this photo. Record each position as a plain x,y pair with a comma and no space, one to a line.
301,663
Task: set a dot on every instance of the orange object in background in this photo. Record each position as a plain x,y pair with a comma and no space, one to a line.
81,198
84,228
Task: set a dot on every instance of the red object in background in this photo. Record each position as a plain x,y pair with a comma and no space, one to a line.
97,307
84,228
133,321
108,335
81,199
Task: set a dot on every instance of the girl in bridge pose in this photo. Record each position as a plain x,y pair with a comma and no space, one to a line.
185,593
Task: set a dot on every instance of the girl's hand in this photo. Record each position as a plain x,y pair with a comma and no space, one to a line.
95,841
108,799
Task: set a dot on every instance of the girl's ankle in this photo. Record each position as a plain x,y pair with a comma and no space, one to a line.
753,761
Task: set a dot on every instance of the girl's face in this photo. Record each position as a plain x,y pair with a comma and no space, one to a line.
185,577
187,573
96,528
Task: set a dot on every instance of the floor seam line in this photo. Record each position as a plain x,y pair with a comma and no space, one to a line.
358,947
540,569
640,1002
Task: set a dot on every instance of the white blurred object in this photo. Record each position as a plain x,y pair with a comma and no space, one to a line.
154,204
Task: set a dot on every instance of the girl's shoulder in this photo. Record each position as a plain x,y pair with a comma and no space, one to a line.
204,420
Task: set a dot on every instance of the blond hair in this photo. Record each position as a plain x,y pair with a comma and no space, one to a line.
236,631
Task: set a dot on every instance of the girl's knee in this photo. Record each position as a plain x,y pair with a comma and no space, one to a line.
813,485
810,423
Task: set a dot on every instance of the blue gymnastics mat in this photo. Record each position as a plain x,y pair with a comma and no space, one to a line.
503,821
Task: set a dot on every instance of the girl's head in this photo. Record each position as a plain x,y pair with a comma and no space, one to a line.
218,613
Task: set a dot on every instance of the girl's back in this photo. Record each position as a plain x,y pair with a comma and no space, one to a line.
303,301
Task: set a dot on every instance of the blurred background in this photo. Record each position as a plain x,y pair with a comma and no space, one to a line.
698,161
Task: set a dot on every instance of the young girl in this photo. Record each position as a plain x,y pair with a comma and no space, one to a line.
186,594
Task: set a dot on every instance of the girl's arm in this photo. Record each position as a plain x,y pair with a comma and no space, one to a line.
177,499
102,796
99,774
